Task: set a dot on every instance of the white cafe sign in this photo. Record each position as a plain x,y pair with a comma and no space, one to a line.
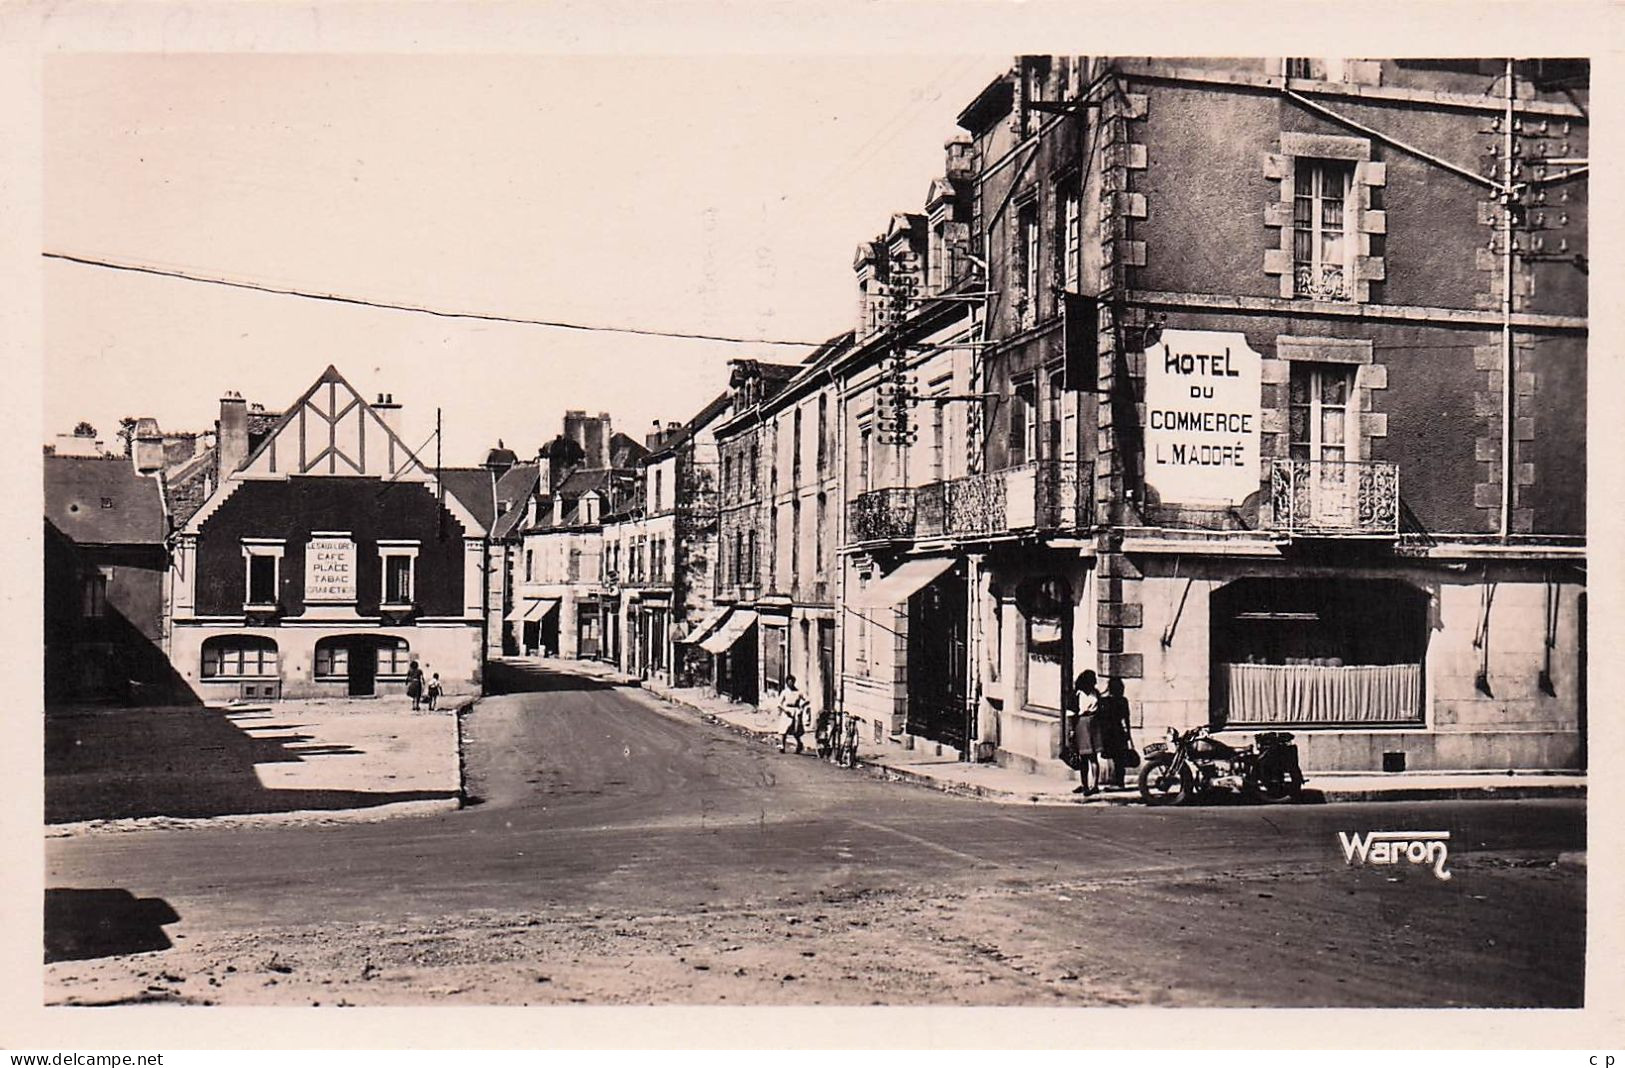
1202,405
330,569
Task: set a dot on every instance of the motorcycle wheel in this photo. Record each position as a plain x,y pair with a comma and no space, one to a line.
1159,785
1274,789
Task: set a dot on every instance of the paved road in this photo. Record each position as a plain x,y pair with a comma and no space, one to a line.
624,852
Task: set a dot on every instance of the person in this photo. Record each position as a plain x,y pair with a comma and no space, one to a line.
825,733
414,683
1086,731
434,691
792,715
1111,716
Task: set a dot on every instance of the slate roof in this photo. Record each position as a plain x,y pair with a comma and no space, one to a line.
710,412
472,488
514,491
102,501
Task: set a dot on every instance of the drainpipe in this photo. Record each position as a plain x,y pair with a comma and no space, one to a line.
1508,467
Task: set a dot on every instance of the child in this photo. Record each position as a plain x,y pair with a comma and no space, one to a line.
825,733
434,691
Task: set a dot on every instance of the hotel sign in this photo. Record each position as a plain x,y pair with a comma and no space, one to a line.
1202,401
330,569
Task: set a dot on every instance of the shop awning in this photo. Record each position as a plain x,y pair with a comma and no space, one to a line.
704,626
532,610
731,631
910,577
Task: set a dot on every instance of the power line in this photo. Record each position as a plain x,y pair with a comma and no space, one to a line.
336,298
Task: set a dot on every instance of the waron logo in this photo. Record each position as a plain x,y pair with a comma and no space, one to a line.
1391,847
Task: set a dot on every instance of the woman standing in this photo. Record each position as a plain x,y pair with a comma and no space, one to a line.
1112,717
1086,732
414,683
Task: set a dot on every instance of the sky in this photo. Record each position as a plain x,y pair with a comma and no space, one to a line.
698,194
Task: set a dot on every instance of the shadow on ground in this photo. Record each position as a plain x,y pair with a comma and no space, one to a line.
86,924
188,762
535,677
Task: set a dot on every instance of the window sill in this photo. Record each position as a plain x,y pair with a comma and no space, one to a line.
240,678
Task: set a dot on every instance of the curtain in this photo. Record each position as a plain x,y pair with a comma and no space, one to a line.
1313,695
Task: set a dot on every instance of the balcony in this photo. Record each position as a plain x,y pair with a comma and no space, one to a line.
1050,495
1322,498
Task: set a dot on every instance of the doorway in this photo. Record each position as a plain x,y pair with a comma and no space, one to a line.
363,677
936,661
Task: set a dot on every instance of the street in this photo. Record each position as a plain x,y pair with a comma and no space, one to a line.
623,852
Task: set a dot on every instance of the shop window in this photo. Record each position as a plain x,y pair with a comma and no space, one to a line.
1318,652
1322,246
393,657
1046,603
332,659
774,640
233,656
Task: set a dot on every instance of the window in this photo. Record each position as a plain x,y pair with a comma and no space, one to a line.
818,534
728,476
936,267
1052,416
865,456
860,648
1071,237
1046,605
263,560
94,590
795,543
795,449
1027,262
530,564
773,547
938,442
1318,409
393,657
823,431
239,657
1321,244
774,640
739,557
656,505
398,560
752,565
332,660
754,482
1023,416
262,576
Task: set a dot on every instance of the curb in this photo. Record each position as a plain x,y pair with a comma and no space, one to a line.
375,814
1442,793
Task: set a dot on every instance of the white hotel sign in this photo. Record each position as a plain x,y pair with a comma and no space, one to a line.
1202,405
330,569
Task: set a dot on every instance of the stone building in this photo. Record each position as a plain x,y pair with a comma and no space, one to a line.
1288,371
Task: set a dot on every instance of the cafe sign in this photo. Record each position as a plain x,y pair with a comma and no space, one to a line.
330,569
1202,401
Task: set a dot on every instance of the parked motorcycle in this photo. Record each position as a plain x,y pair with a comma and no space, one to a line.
1194,764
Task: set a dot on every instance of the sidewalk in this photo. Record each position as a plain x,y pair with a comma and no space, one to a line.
944,771
359,758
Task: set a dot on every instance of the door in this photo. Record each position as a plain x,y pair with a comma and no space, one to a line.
363,668
826,661
936,661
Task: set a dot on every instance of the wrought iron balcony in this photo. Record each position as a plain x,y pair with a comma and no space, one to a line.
881,515
1050,495
1336,498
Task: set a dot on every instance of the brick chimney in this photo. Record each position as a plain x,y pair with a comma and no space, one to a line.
147,448
231,433
388,411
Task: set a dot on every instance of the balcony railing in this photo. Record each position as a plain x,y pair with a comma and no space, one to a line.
1049,495
881,515
1346,498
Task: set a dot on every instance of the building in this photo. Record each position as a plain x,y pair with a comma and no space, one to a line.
106,557
325,560
504,495
1288,365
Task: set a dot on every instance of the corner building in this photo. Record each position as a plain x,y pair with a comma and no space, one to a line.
1313,333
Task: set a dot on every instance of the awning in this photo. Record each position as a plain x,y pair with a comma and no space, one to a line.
532,611
731,631
910,577
704,625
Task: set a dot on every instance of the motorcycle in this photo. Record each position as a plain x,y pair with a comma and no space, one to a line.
1194,764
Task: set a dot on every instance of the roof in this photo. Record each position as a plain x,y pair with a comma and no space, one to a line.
625,451
706,415
514,491
472,488
102,501
501,456
615,487
991,104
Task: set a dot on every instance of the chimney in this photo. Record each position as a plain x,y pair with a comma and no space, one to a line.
388,411
147,448
958,162
231,433
558,511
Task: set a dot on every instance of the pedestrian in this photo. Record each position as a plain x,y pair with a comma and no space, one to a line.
847,749
793,707
434,691
1116,746
414,683
825,733
1086,732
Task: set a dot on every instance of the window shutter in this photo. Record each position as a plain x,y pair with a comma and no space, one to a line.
1082,333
